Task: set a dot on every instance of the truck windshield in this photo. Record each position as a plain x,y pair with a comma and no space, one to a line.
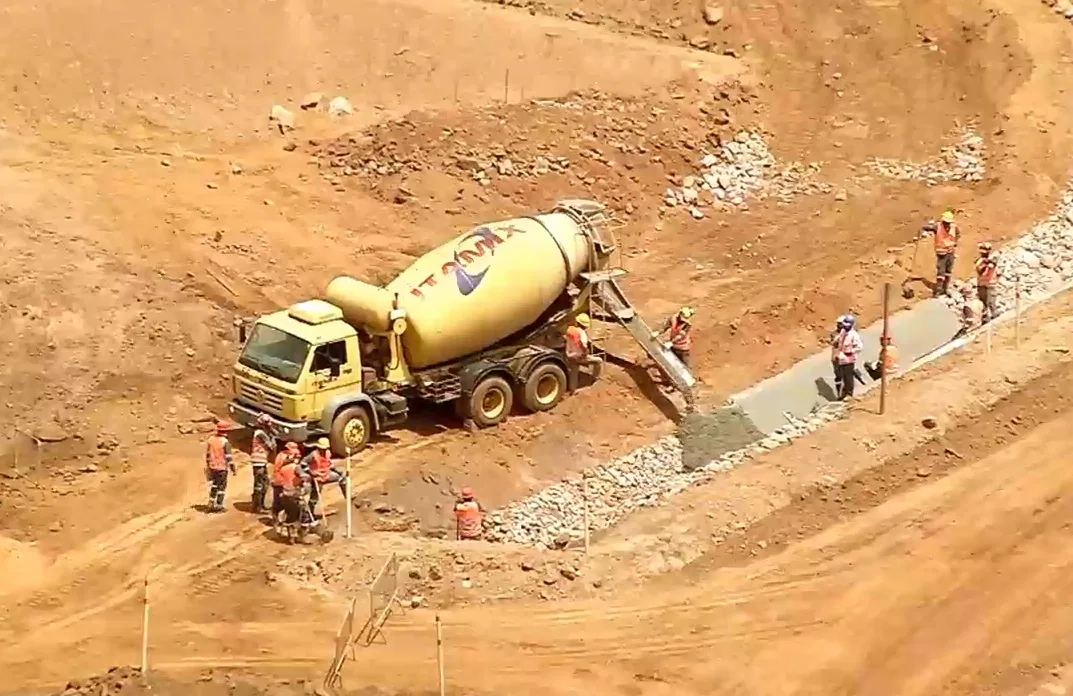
275,353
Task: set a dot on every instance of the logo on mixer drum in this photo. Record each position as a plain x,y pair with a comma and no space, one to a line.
472,259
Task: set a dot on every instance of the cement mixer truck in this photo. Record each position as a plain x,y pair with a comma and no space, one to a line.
477,322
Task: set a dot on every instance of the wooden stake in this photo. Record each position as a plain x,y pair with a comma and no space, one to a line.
1017,313
585,506
506,85
349,505
439,655
145,629
883,350
987,337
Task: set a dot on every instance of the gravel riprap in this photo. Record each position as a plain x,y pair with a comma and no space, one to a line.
554,517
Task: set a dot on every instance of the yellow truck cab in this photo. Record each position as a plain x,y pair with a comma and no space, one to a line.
302,367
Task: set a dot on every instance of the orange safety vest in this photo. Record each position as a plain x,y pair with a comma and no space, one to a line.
259,448
986,272
320,466
681,334
216,456
946,238
468,516
282,460
577,342
288,478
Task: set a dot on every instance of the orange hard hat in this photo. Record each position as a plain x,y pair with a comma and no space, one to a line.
466,492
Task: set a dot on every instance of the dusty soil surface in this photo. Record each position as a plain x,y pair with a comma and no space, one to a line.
148,203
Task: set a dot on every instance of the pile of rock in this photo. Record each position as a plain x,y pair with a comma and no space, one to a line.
1042,259
743,168
962,161
554,517
1062,7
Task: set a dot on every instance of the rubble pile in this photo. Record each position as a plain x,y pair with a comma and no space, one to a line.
743,168
962,161
1042,259
554,517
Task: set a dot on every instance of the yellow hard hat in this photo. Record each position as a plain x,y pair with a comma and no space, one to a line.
323,444
583,321
686,312
948,216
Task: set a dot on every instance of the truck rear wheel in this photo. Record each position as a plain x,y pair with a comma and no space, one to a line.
351,428
491,402
544,388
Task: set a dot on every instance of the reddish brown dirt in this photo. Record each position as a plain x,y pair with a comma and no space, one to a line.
147,203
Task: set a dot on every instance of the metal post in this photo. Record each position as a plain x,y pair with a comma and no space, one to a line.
145,629
349,506
439,655
883,350
585,506
1017,313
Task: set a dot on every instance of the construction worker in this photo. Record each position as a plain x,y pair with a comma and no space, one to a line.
579,351
218,460
947,234
972,311
986,279
678,331
849,348
291,454
468,516
888,359
291,481
318,466
261,447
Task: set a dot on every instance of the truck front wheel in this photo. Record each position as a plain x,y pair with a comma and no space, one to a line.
491,401
351,428
544,388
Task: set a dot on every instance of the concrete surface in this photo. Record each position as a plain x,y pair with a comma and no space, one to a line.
810,383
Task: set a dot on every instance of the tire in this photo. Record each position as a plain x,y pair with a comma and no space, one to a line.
352,428
544,388
491,402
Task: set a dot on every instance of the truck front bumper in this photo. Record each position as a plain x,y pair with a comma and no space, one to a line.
288,430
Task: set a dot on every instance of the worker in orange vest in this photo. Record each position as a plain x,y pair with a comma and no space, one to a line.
678,332
318,466
579,351
261,446
291,454
986,280
888,359
468,516
947,234
290,479
218,460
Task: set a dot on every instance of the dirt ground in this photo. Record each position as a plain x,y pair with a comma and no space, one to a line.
147,203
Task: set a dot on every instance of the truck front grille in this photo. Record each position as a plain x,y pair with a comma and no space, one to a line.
259,396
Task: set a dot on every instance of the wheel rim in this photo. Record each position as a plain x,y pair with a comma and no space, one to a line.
492,404
547,389
354,433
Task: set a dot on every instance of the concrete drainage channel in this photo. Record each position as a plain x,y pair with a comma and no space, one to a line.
773,413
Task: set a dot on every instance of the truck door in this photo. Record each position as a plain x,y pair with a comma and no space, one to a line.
334,368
